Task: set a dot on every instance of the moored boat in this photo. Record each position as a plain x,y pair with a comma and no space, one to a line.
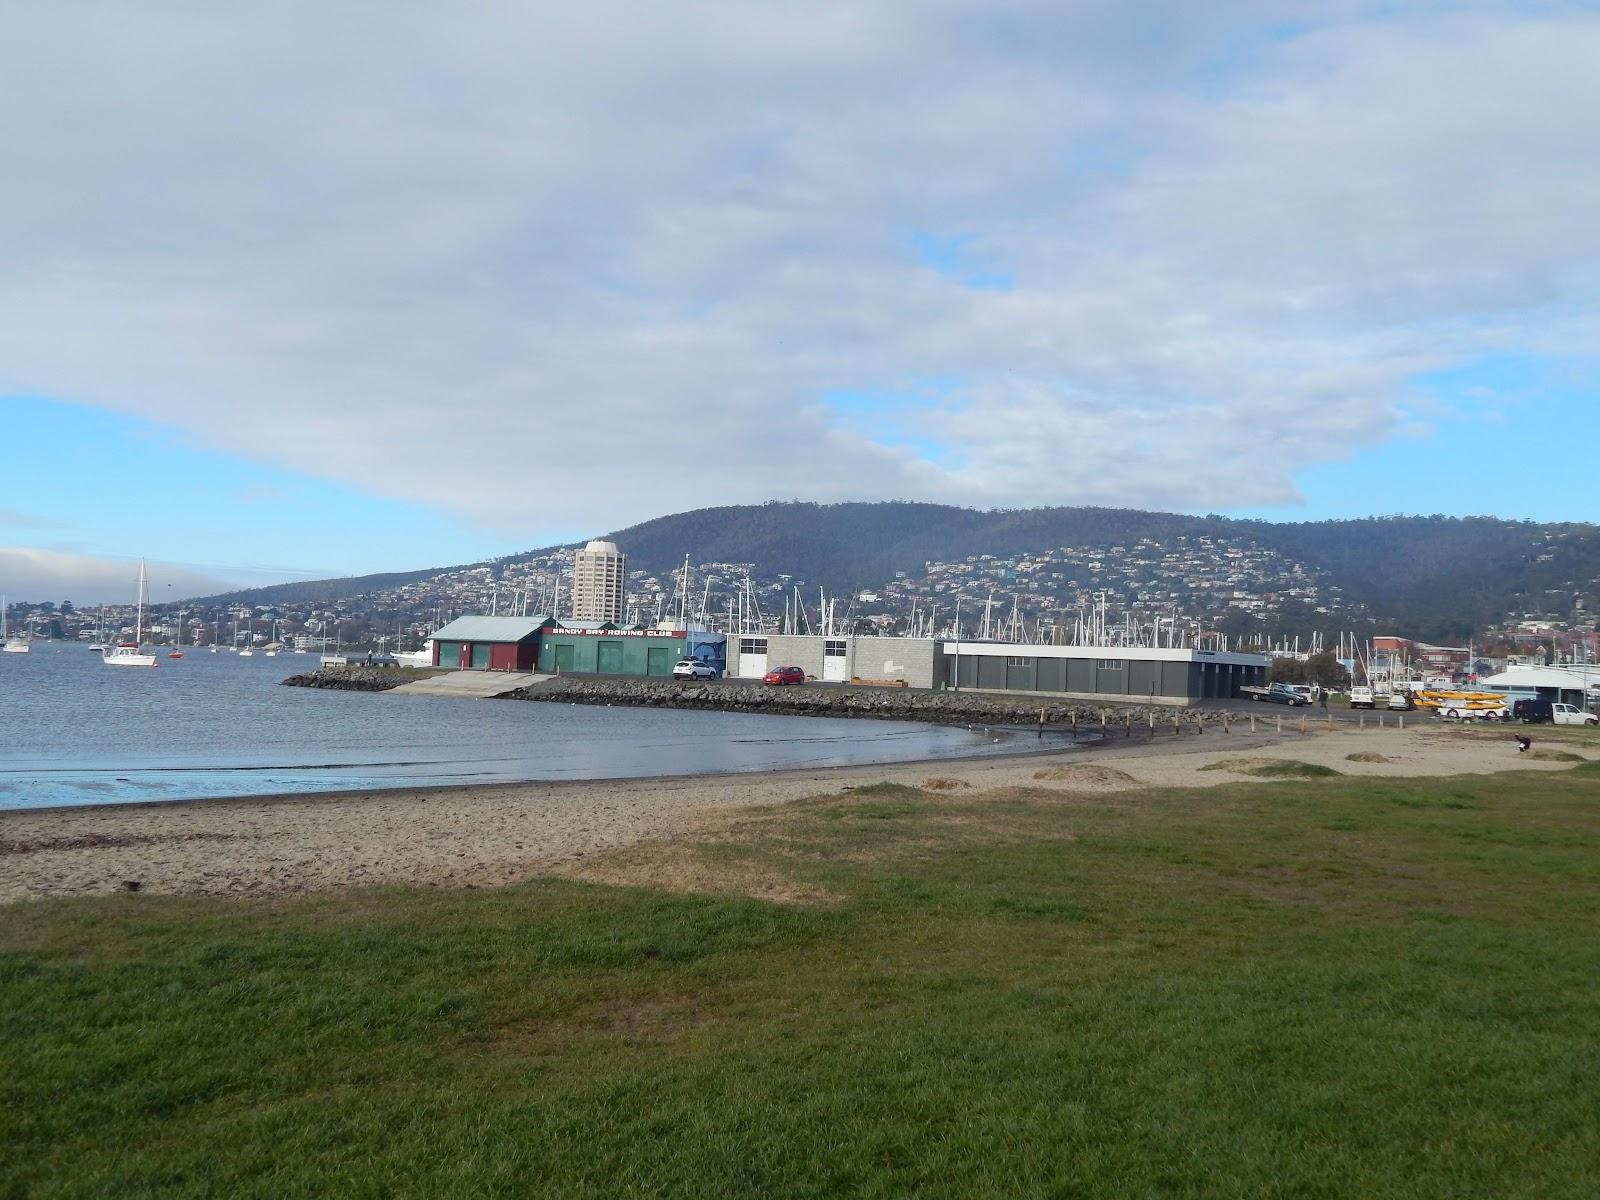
9,644
131,654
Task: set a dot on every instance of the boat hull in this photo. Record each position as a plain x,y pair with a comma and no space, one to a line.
129,656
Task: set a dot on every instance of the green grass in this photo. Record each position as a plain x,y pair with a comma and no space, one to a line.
1272,768
1362,988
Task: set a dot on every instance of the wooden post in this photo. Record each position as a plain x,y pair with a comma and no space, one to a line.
1380,720
1252,722
1279,719
1363,721
1128,723
1302,725
1402,720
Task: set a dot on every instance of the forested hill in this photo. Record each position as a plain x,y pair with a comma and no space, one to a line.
1436,577
1439,577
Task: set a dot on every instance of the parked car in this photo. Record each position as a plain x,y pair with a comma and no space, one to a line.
1401,702
1571,714
1360,697
693,668
1286,693
780,675
1532,711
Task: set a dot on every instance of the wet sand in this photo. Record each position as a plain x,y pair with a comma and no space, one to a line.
487,835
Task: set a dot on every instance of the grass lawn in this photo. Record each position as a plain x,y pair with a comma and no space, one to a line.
1307,987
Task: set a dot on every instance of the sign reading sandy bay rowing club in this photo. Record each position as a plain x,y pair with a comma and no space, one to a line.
655,633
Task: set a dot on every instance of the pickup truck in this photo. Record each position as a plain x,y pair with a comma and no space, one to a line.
1571,714
1535,712
1277,693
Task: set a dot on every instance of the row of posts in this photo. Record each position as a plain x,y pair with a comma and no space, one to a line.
1108,726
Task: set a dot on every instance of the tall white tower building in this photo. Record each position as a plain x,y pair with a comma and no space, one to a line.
597,582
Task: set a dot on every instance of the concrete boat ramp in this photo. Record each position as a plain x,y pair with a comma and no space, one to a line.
479,685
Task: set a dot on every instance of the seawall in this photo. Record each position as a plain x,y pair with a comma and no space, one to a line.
353,679
888,704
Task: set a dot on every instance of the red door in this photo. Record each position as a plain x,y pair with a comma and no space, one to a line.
464,658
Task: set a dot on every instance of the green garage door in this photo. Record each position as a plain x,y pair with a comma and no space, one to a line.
480,655
660,661
564,659
610,662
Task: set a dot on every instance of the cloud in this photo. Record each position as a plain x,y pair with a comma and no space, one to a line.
262,493
16,518
556,267
37,575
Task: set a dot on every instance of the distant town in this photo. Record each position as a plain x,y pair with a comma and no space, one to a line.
1225,590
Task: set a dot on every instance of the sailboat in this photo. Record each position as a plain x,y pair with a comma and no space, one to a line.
128,654
10,644
99,643
249,637
177,650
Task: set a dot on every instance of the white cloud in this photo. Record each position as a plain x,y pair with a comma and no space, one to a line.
32,574
570,267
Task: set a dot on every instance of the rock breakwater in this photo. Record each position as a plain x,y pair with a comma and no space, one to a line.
353,679
888,704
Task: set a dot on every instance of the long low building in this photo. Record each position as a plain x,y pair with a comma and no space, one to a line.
1137,674
1148,674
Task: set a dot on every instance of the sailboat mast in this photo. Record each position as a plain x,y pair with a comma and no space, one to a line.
138,618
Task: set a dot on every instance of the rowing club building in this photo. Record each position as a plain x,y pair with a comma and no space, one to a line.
556,647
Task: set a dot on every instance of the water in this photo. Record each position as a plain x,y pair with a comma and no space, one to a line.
74,731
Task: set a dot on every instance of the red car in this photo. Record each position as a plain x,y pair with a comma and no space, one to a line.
784,675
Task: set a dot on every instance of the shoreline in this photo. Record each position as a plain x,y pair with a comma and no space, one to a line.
503,785
1064,745
492,834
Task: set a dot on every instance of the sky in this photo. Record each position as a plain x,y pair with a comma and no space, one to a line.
307,289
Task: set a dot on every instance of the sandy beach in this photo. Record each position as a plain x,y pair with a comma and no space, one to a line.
491,835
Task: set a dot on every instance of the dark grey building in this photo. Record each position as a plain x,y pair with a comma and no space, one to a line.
1147,674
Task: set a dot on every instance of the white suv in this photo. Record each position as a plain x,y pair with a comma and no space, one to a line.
693,668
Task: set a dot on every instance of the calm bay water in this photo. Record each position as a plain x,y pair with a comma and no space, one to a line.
74,731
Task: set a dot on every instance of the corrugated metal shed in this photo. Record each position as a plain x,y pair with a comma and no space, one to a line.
490,629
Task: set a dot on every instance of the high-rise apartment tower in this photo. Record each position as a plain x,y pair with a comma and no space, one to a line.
597,582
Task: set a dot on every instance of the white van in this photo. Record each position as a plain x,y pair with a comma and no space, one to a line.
1360,697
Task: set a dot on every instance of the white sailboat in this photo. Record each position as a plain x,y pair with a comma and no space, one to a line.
128,654
9,644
